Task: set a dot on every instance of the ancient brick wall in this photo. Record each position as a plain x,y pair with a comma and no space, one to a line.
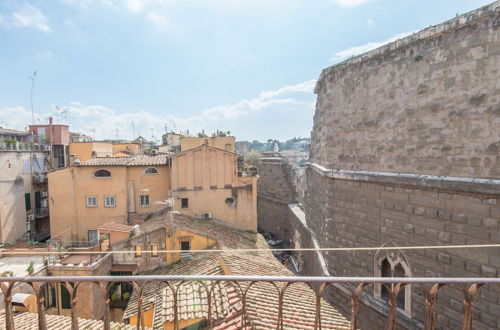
405,152
428,103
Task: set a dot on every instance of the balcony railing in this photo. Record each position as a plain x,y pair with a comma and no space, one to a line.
22,146
41,212
318,284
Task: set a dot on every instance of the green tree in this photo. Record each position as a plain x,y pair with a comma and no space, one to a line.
252,158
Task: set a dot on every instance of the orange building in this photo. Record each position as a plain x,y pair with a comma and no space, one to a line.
205,184
108,189
82,151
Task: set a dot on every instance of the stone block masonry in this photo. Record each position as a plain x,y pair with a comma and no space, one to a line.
405,151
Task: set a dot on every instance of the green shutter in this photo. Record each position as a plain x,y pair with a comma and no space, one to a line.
27,201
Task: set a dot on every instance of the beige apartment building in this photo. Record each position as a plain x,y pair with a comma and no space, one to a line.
108,189
205,184
220,142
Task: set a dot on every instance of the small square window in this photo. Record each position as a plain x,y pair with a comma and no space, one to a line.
137,250
144,200
109,201
154,250
91,201
184,203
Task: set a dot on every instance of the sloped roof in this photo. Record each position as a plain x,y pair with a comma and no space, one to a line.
112,226
29,321
139,160
13,132
299,307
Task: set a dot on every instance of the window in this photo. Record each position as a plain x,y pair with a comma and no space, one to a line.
184,203
92,235
102,174
91,201
393,263
151,170
65,298
137,250
49,295
185,246
27,201
109,201
144,200
154,250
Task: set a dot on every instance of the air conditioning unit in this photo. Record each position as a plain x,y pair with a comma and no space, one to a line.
206,215
47,148
45,194
30,217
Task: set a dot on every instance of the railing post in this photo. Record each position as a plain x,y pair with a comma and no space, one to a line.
104,290
393,306
469,295
280,304
72,292
7,299
355,306
140,312
40,308
317,317
430,304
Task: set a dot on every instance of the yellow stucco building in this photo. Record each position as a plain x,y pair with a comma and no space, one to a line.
83,151
101,190
205,184
220,142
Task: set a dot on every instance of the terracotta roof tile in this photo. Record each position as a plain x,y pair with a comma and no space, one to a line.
112,226
139,160
29,321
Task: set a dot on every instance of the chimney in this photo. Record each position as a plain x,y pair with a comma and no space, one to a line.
50,121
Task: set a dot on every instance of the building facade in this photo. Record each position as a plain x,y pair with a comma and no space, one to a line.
405,152
23,194
221,142
205,184
55,138
100,190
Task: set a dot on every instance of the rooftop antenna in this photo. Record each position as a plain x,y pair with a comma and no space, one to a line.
133,129
32,87
117,133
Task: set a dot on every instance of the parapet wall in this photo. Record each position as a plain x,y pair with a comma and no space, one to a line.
426,104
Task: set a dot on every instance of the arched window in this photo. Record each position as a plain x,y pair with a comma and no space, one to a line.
393,263
151,170
102,174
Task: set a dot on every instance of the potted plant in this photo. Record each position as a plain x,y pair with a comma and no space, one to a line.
31,267
31,244
126,296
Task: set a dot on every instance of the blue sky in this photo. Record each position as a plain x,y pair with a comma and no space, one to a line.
244,66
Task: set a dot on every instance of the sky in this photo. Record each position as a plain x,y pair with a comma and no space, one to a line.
120,68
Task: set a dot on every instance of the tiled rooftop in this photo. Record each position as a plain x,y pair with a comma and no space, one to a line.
139,160
299,308
112,226
29,321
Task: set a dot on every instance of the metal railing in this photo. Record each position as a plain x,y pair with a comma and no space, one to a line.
41,212
21,146
470,287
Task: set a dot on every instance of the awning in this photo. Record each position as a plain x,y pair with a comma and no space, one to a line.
124,268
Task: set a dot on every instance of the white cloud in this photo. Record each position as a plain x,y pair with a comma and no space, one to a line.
135,5
350,3
284,103
30,16
157,19
370,22
357,50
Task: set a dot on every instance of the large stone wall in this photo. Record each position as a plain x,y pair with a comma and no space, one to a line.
429,103
405,152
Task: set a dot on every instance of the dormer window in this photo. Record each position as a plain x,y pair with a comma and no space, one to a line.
102,174
151,170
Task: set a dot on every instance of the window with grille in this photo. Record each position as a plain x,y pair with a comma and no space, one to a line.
91,201
154,250
109,201
137,250
144,200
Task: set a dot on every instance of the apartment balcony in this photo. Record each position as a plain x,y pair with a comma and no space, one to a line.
41,212
277,314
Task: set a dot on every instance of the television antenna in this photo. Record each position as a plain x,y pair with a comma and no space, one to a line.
32,78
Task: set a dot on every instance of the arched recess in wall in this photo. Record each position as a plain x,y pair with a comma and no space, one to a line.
151,170
392,263
102,173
